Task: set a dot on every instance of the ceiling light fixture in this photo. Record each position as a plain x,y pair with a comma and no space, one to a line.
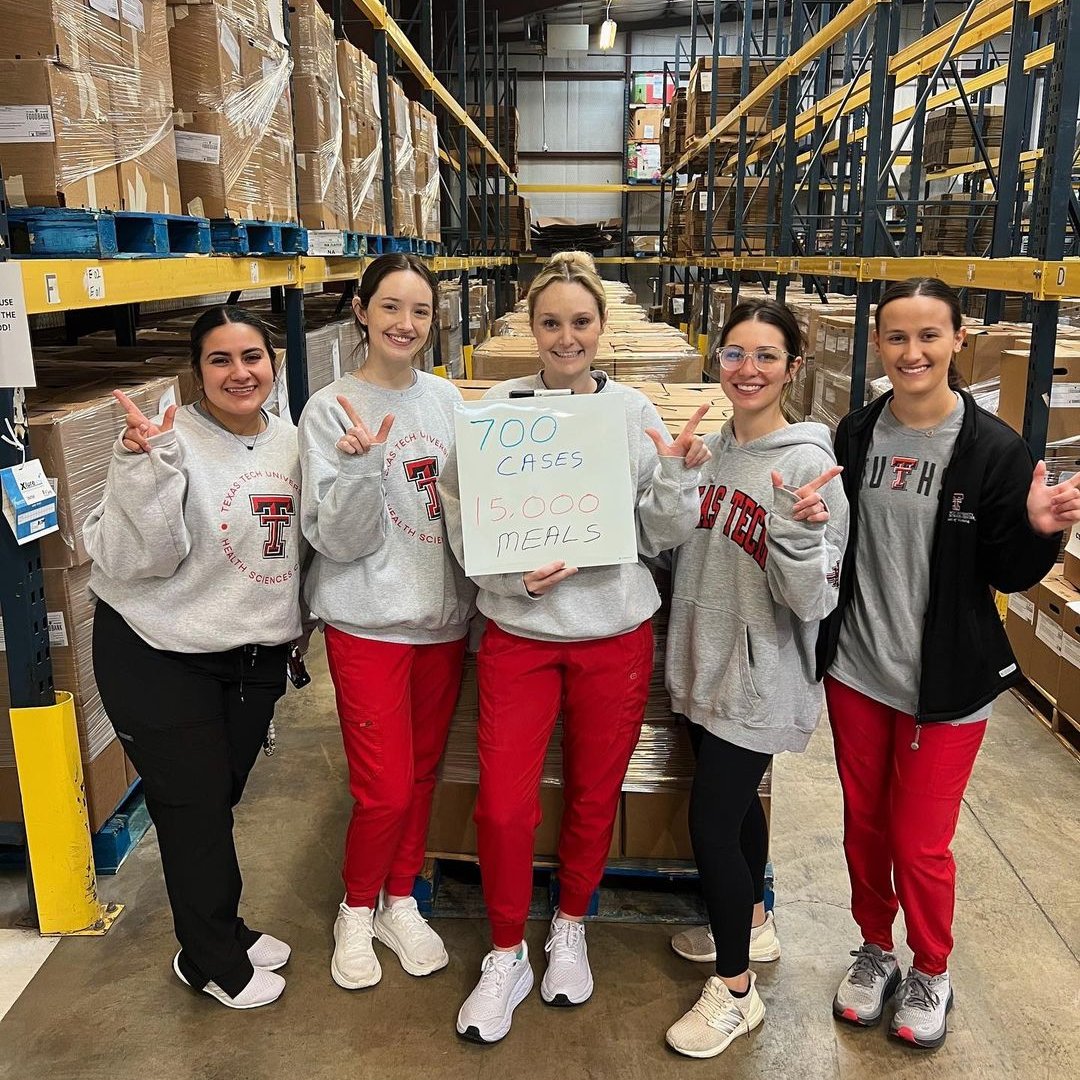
607,30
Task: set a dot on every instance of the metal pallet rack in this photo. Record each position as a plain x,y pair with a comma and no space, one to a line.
114,287
841,147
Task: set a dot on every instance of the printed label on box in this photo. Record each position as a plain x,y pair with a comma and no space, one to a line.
1073,546
1070,650
705,82
132,11
106,7
166,401
194,146
26,123
1022,607
1065,395
1048,632
58,637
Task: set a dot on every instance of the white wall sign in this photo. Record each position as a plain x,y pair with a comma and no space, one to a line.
543,479
16,356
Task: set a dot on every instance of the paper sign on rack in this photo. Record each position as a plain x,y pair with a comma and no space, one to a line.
16,356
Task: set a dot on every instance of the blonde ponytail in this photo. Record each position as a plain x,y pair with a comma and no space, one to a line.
573,267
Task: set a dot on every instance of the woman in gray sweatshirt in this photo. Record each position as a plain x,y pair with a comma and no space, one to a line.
196,573
750,586
394,604
579,641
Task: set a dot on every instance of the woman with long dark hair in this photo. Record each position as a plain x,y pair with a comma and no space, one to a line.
196,574
946,506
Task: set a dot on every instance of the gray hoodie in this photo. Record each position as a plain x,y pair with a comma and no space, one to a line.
381,567
598,601
749,588
197,544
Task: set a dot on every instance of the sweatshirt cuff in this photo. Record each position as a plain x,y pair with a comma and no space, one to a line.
359,466
784,500
674,471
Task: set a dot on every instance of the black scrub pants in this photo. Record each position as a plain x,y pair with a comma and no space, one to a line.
192,725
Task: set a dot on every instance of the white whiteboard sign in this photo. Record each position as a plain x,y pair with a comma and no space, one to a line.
542,479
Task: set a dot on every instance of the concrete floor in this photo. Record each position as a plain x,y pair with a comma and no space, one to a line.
111,1008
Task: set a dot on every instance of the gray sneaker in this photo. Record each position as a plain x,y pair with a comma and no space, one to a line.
922,1004
866,987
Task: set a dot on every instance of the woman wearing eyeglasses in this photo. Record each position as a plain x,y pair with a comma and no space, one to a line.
749,589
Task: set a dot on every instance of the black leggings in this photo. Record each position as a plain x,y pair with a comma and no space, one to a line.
731,842
192,724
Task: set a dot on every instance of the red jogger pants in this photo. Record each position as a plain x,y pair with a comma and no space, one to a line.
900,811
395,703
601,688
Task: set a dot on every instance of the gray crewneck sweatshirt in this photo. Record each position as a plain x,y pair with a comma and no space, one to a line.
598,601
197,544
749,589
382,568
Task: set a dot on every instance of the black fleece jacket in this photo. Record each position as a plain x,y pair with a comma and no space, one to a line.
982,541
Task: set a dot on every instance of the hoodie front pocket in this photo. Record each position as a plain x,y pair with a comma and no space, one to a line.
738,695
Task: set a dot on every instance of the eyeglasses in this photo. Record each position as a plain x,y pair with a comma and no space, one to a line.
732,358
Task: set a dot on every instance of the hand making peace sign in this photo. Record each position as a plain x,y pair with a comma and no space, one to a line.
1052,509
140,430
358,438
689,445
809,505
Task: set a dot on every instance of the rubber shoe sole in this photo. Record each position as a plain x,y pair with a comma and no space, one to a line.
849,1016
563,1001
217,993
908,1037
472,1032
417,970
348,984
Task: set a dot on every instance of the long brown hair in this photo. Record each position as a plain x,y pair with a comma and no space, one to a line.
381,268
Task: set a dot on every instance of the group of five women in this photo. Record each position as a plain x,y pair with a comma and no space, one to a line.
867,562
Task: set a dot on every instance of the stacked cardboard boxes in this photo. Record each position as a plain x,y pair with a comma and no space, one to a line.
234,131
402,161
520,236
690,235
86,99
451,353
725,86
949,219
673,129
362,135
950,138
428,199
487,125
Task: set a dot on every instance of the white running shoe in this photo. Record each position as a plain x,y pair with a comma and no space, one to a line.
505,982
269,953
922,1005
401,928
355,964
568,979
263,988
697,943
869,982
716,1020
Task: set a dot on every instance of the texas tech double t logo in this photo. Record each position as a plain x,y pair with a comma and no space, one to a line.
275,514
424,473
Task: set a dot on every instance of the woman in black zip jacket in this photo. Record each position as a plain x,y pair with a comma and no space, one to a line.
946,505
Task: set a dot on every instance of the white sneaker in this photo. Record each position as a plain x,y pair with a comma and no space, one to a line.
716,1019
404,930
568,979
697,943
263,988
505,982
269,953
355,964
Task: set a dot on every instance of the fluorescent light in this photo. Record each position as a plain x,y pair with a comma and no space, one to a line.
607,33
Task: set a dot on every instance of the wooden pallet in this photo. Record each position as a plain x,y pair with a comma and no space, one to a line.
1039,703
53,232
230,237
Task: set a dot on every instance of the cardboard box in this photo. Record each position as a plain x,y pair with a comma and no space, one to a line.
205,46
1068,695
1053,596
453,832
219,170
646,124
1020,625
980,358
66,152
656,825
649,88
72,434
1064,395
313,47
321,190
68,32
1071,569
643,161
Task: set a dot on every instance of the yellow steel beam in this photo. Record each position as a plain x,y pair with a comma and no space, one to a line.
1040,57
67,284
379,18
937,41
852,14
447,159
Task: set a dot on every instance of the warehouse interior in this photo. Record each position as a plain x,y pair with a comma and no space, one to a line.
158,157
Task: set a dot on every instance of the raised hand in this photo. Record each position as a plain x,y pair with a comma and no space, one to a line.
538,582
358,438
809,505
689,445
1052,509
140,430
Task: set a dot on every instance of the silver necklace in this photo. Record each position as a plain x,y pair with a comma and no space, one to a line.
241,439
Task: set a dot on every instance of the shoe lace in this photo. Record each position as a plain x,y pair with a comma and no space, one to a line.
410,922
916,992
564,945
493,974
718,1011
868,967
359,929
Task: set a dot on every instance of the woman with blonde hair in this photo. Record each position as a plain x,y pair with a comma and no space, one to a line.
569,640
